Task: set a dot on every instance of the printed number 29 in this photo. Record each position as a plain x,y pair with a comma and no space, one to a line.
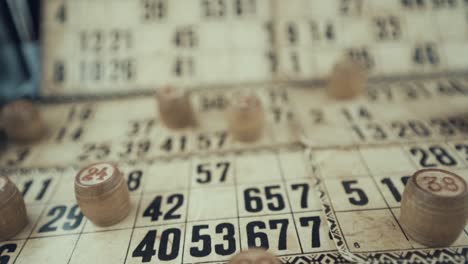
58,212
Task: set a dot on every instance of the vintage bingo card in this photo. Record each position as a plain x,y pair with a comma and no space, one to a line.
87,131
389,112
107,47
361,191
199,209
198,195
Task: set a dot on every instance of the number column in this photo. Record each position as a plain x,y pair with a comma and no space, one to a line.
54,222
296,36
251,41
424,52
280,116
37,187
103,57
55,72
264,208
387,25
159,228
306,208
212,228
358,204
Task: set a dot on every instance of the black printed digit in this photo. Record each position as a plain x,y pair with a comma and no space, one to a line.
74,218
57,212
169,245
229,245
440,154
361,198
154,211
304,188
314,223
134,180
257,238
7,248
254,203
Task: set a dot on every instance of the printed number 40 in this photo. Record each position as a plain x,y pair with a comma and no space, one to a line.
169,245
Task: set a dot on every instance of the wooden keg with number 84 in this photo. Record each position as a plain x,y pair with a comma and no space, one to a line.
102,194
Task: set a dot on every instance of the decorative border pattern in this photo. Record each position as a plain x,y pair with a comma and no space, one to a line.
330,257
439,255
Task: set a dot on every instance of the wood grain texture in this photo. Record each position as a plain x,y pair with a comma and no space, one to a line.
22,121
13,217
246,117
347,79
434,207
175,108
104,201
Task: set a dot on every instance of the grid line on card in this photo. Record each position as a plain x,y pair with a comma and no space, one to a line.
21,249
76,243
402,146
172,223
355,138
140,200
189,185
289,200
368,209
236,187
361,157
457,152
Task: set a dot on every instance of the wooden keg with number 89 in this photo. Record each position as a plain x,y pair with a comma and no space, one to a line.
434,207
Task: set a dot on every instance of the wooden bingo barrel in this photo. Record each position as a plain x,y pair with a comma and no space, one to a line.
102,194
434,207
13,217
246,117
22,121
175,108
347,79
254,256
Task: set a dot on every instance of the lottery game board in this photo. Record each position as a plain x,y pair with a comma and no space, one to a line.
323,184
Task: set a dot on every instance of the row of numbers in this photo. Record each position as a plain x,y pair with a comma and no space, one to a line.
139,148
38,188
422,55
254,200
213,239
360,193
416,90
157,10
411,129
221,238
